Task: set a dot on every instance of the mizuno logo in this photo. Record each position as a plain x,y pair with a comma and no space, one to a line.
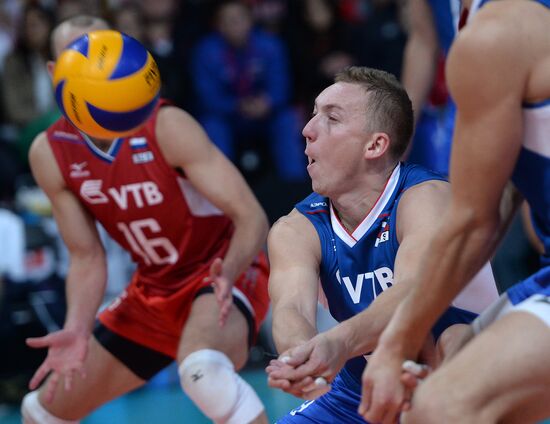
196,376
78,171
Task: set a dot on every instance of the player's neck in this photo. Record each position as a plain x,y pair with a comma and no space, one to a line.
353,206
103,145
349,224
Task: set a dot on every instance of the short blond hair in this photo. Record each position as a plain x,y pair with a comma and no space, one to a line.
70,29
389,108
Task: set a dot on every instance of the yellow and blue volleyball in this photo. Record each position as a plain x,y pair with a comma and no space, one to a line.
106,83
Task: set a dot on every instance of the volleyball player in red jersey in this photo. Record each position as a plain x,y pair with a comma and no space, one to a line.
199,294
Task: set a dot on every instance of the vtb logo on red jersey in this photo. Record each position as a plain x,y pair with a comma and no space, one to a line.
143,194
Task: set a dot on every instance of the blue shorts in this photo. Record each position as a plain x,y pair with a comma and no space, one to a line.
337,406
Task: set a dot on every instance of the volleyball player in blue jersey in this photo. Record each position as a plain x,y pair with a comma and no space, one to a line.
360,234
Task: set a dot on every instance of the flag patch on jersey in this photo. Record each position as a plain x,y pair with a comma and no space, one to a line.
137,143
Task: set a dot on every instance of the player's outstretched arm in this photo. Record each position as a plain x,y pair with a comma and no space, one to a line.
185,145
326,353
295,254
86,278
486,144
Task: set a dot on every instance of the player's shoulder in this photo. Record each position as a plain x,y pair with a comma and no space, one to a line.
173,120
178,133
289,224
423,199
431,189
294,234
495,28
40,147
44,165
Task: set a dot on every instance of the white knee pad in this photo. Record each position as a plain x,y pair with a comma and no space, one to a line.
209,379
33,412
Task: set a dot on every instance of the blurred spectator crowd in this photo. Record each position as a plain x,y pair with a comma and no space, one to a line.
248,70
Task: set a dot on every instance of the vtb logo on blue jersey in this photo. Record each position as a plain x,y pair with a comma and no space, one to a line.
382,275
383,235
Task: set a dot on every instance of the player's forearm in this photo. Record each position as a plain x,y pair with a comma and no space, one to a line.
85,288
248,239
360,333
419,66
457,252
290,328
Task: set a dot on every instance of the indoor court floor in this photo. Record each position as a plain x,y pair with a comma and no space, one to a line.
163,402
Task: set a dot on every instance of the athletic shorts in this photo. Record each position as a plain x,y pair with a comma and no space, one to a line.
337,406
145,328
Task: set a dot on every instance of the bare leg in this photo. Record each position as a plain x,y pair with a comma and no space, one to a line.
501,375
452,340
106,379
202,331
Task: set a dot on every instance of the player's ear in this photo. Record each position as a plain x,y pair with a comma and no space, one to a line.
377,145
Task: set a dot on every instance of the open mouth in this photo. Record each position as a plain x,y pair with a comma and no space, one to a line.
310,161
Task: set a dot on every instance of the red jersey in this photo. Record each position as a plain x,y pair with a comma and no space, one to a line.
147,206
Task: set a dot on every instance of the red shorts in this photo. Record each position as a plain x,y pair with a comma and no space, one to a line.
156,321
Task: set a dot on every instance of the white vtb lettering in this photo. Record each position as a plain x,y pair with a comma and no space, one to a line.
383,275
146,193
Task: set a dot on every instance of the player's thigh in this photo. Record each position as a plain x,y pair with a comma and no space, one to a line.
105,379
499,372
202,331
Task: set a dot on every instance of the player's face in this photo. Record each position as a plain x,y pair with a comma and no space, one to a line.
336,136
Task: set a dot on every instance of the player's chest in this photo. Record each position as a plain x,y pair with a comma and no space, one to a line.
358,274
122,185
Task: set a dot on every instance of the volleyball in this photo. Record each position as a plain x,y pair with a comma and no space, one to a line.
106,84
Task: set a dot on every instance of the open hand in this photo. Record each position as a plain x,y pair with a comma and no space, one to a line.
67,350
222,289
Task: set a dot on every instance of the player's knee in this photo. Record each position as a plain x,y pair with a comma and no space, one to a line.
428,408
208,377
33,412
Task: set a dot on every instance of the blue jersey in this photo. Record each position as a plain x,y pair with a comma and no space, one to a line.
445,14
356,268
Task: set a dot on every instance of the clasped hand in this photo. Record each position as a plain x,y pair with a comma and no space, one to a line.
306,370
